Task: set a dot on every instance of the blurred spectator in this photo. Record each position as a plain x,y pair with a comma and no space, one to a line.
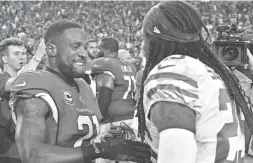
125,56
118,19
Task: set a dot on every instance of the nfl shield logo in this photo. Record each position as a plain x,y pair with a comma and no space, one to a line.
68,98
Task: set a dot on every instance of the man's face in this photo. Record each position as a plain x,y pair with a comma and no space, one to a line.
92,49
101,50
71,53
16,57
128,59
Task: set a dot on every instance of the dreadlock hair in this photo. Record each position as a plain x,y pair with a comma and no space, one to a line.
187,20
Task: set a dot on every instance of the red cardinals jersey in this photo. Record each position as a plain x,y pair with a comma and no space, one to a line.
122,101
73,116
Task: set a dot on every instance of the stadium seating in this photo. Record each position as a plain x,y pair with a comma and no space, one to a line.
121,20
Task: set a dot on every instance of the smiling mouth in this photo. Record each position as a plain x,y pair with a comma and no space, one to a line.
79,63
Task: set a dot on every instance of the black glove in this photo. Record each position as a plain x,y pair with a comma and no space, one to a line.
125,150
118,149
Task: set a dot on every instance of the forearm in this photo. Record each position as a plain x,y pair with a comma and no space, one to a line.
32,65
174,142
32,136
104,99
51,154
105,86
36,59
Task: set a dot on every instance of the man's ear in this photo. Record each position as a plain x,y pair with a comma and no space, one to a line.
5,59
51,49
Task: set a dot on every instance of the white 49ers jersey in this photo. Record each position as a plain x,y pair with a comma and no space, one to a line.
219,125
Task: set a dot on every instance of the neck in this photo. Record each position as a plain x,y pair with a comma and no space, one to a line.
69,80
52,66
60,74
11,71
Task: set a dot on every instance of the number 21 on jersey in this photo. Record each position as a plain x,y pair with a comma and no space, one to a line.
93,126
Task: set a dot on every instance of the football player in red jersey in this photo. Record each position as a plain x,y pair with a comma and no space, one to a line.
91,55
190,103
91,51
56,114
115,80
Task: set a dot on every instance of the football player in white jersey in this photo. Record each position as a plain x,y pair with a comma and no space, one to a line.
190,103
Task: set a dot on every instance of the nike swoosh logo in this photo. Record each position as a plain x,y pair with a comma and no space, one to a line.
162,67
21,85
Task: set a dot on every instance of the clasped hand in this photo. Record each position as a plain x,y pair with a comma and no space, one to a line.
120,149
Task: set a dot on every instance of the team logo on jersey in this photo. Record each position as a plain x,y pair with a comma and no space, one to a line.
68,97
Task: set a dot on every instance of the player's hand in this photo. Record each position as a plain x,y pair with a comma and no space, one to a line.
120,131
119,149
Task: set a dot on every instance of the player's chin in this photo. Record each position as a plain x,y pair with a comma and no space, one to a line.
78,72
19,67
94,55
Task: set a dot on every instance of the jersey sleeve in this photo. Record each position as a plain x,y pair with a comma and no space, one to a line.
28,85
3,80
172,81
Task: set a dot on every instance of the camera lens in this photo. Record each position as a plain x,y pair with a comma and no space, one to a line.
230,53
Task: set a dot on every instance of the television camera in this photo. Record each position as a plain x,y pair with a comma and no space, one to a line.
232,43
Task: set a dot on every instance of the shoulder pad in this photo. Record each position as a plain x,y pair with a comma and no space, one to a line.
103,64
36,80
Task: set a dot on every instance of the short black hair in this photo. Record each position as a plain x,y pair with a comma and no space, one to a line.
91,41
7,42
111,44
57,28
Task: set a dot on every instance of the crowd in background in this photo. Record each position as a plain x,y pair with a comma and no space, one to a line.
117,19
121,20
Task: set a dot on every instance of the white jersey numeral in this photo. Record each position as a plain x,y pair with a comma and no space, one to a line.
90,121
131,81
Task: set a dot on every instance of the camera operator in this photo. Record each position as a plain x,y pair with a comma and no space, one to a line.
246,85
234,47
